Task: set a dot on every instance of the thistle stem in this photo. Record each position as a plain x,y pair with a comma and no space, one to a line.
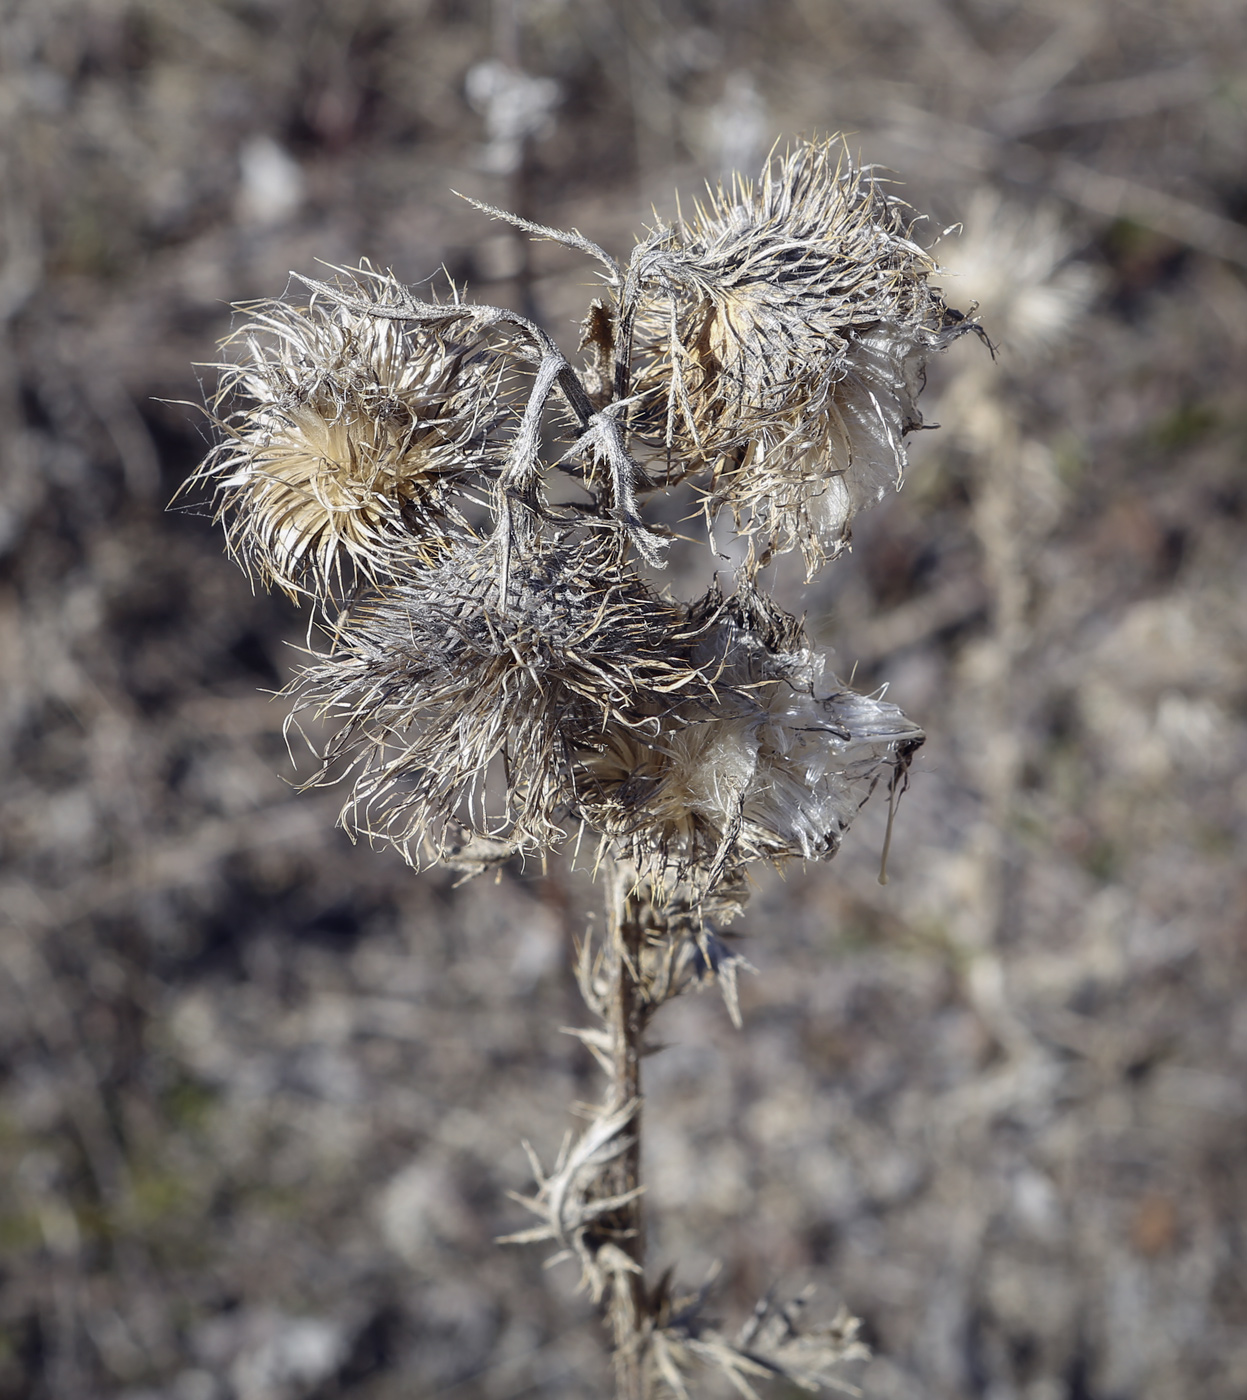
628,1015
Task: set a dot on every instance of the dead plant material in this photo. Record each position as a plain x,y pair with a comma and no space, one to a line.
506,674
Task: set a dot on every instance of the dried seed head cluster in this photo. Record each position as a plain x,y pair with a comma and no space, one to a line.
509,677
354,440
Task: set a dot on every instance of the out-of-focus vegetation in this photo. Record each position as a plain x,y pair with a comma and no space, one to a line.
263,1091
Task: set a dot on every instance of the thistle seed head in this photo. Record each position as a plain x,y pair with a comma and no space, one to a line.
781,336
352,438
771,771
464,711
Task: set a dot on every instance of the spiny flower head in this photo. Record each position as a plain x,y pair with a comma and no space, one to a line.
772,771
354,437
463,705
781,337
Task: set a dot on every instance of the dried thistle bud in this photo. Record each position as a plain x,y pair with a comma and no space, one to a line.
772,771
353,438
464,711
781,337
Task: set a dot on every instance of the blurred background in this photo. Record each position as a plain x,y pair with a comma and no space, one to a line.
262,1092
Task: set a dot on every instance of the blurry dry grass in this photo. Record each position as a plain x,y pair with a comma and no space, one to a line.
262,1090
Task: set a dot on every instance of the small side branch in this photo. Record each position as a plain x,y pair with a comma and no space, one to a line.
599,431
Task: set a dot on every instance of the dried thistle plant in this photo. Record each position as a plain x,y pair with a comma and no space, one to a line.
508,676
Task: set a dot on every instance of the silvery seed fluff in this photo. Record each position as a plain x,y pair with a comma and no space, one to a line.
780,338
355,441
464,712
771,771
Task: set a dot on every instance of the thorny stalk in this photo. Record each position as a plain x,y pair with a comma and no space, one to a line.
499,671
628,1020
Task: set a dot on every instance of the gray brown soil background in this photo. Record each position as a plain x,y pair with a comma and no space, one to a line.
262,1092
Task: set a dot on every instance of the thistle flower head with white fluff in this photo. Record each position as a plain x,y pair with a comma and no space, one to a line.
780,337
463,709
510,674
771,771
355,436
